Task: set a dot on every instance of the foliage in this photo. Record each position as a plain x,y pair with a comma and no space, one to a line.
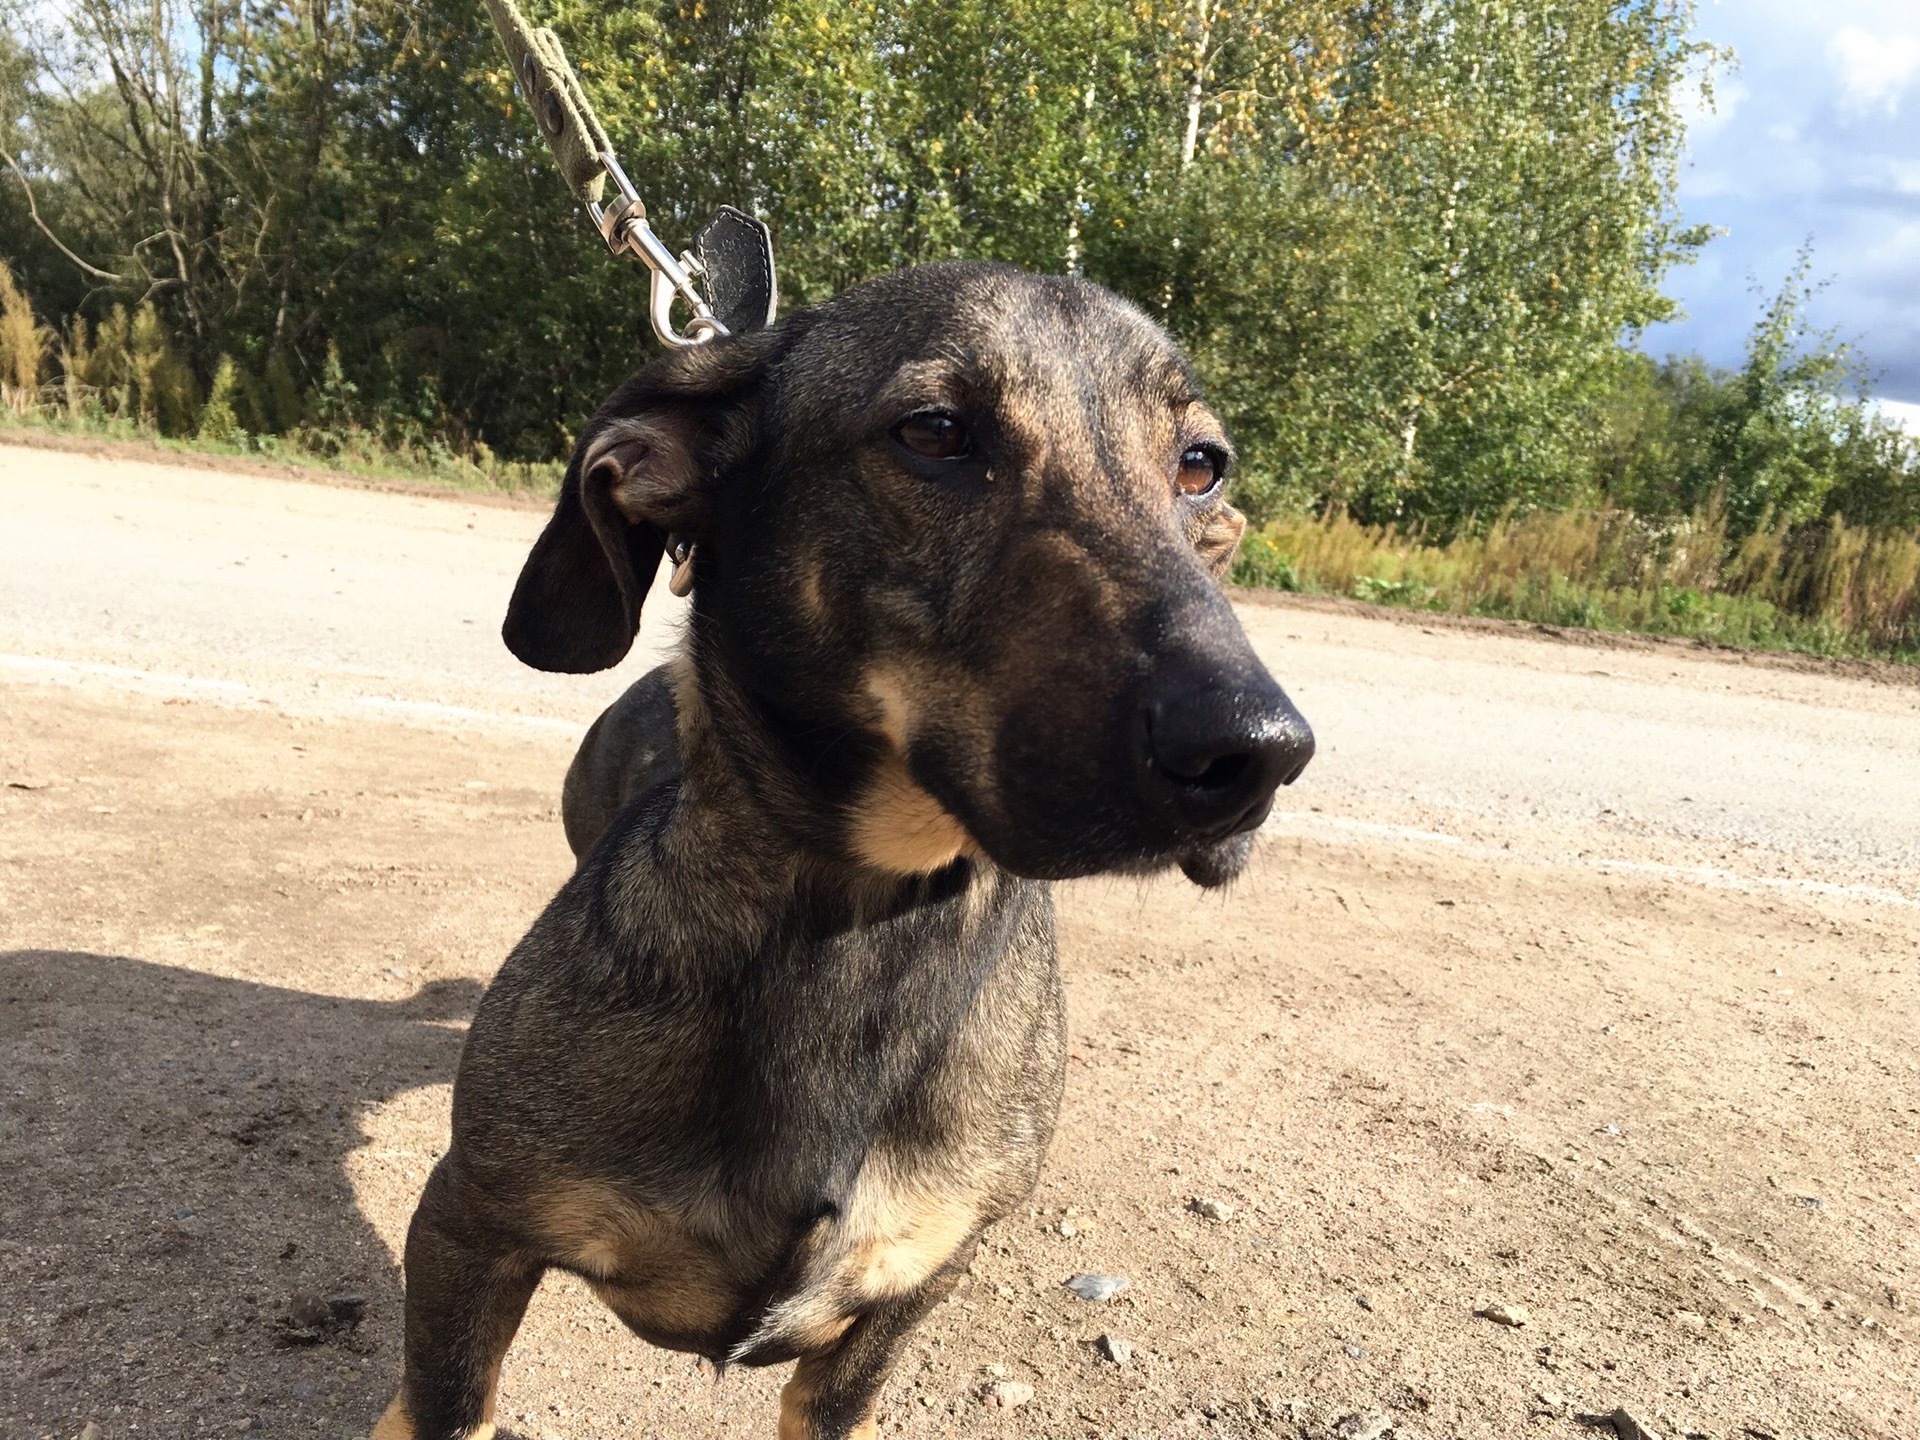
1401,239
1411,288
23,344
1784,440
218,421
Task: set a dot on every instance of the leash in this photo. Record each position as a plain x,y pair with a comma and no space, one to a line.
732,256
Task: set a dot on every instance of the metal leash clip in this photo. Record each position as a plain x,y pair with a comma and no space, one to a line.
726,281
623,225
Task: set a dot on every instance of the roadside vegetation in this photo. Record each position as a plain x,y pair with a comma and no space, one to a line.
1829,589
1411,247
1769,507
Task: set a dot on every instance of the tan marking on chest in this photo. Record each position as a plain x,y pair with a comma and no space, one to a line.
909,1234
648,1267
896,825
900,828
895,1234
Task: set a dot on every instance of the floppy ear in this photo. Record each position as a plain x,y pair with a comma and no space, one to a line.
638,475
1219,539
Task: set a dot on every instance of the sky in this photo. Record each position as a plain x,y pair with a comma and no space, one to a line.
1815,135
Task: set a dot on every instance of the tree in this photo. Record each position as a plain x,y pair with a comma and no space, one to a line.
1402,239
1787,439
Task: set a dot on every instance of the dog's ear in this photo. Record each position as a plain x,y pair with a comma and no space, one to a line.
1219,539
639,475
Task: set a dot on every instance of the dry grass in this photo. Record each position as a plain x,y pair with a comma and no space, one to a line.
352,452
23,345
1829,589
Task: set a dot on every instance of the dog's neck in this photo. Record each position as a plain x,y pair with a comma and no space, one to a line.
752,840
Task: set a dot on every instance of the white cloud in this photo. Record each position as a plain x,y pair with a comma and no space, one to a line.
1823,144
1873,70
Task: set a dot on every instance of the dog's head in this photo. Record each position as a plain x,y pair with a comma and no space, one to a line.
958,538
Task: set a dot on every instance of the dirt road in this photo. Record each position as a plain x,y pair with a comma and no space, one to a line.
1575,978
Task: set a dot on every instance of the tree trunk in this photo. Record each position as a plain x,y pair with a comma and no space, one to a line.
1080,182
1200,32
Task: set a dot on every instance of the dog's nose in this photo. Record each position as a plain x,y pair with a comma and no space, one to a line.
1218,747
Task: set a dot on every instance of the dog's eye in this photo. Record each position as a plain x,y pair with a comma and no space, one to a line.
934,435
1201,468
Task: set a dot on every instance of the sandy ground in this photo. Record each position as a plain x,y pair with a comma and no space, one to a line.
1573,978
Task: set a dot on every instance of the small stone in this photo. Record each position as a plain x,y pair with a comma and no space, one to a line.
995,1371
307,1312
1067,1229
1210,1209
1363,1425
1629,1427
1692,1321
1119,1351
1097,1287
1355,1352
347,1310
1549,1402
1006,1394
90,1430
1501,1313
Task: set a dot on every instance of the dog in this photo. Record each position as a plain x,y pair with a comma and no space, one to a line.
792,1035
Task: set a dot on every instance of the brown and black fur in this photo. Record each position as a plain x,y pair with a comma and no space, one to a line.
791,1037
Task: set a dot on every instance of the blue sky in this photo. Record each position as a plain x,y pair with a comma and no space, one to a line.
1816,135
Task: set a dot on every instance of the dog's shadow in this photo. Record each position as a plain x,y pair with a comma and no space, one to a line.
176,1211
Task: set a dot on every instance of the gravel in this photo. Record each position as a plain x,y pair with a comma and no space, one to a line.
1362,1425
1006,1394
1500,1312
1097,1287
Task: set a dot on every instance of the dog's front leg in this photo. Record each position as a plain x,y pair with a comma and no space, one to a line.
466,1294
832,1394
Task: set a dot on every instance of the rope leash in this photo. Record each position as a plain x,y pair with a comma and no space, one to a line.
733,253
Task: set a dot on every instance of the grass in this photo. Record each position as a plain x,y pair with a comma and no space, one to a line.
1824,590
352,451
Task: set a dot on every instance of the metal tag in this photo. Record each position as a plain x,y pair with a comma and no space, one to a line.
736,251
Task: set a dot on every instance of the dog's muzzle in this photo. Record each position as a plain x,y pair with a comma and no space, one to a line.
1216,746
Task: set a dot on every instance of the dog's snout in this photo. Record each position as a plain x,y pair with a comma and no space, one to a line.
1218,746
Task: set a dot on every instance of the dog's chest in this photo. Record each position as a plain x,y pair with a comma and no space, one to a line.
852,1123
